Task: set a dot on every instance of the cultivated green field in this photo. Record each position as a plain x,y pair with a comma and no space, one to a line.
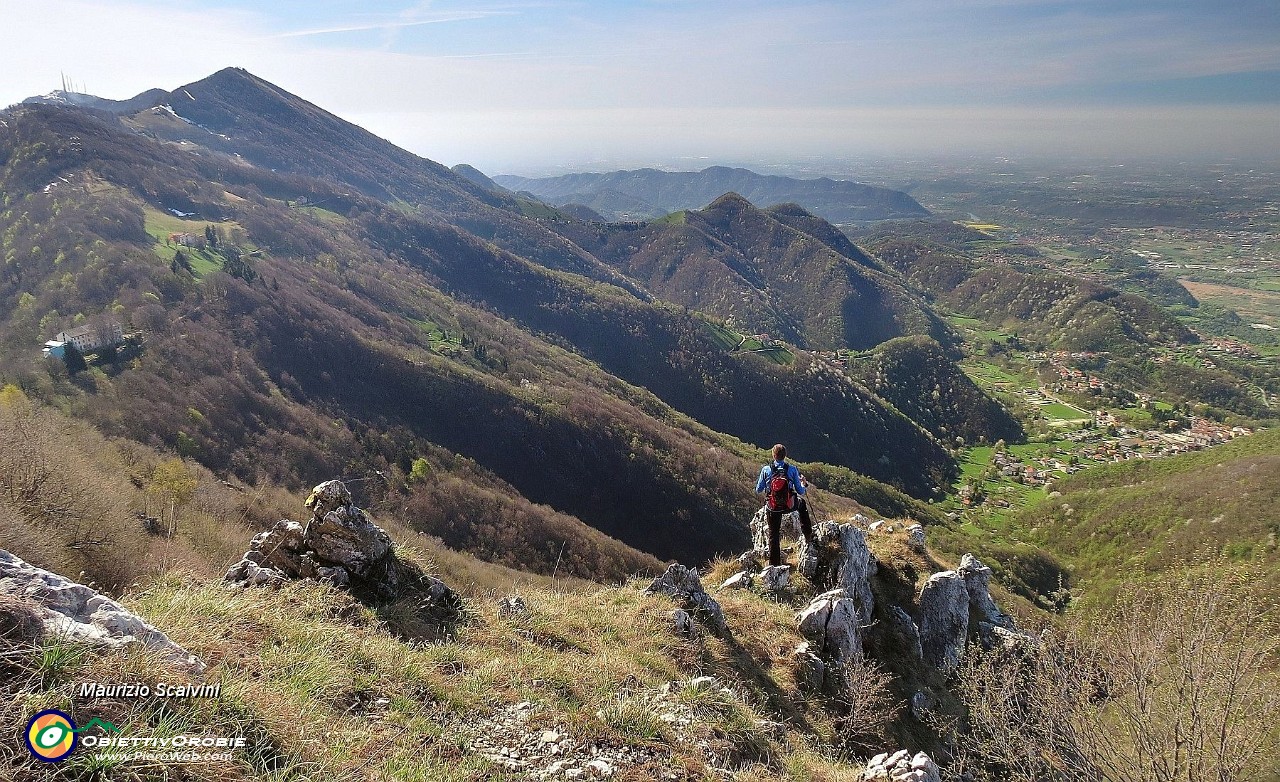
734,342
1056,411
159,225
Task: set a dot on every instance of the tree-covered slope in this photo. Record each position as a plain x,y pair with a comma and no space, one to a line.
372,339
1148,516
917,376
785,273
1065,312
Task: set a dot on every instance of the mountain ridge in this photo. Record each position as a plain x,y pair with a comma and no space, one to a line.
660,192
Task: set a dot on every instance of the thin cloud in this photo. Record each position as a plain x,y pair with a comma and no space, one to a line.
391,25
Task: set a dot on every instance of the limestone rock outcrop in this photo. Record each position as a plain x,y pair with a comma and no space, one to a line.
944,620
340,534
902,766
775,578
79,613
977,580
840,559
740,580
832,626
683,585
760,528
341,546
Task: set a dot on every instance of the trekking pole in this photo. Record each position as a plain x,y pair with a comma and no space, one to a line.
813,506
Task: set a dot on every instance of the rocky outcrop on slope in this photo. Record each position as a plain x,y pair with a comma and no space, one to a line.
901,766
832,628
944,620
760,528
683,585
977,581
847,622
342,547
81,614
834,622
839,559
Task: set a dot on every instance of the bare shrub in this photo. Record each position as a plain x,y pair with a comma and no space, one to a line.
867,705
67,500
1176,682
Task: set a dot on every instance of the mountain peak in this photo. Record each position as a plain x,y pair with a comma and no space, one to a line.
730,202
233,75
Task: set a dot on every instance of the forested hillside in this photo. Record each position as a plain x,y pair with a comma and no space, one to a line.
917,376
782,272
1134,339
283,328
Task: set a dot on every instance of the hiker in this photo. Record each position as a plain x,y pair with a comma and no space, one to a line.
784,488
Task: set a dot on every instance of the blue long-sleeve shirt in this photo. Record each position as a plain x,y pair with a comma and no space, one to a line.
766,472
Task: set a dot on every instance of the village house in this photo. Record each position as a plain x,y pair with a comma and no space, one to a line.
86,339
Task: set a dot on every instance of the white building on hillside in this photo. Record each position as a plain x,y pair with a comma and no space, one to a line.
91,337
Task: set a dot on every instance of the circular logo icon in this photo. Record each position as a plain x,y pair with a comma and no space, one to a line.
51,736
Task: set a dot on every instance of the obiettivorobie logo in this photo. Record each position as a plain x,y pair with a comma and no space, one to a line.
52,735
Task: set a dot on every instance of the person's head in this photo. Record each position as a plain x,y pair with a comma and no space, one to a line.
779,452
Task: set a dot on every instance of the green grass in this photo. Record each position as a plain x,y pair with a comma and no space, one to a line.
1061,412
322,214
321,690
724,337
675,218
539,210
159,225
734,342
438,339
1119,521
987,375
781,356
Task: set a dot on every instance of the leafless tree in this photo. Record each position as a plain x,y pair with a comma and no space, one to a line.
1178,681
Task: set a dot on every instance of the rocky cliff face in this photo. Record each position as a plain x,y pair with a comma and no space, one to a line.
944,620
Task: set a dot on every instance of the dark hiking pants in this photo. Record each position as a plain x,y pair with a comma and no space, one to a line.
775,530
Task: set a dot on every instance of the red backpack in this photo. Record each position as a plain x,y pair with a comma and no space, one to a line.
781,496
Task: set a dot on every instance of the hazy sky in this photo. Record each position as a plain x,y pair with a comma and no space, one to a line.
526,86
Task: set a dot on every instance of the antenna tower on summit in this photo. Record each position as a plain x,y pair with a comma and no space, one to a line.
69,85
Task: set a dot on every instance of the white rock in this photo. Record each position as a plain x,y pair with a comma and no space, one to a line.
682,583
844,562
831,624
977,580
79,613
775,578
944,620
701,683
